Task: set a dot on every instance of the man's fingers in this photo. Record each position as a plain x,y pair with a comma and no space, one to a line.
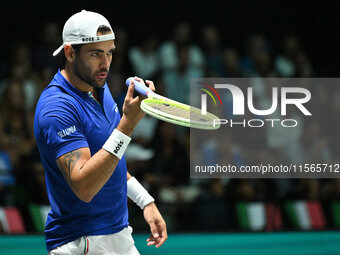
161,226
151,243
139,79
164,236
137,98
151,85
154,231
131,89
161,241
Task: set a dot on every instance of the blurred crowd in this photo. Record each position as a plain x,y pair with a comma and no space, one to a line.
160,152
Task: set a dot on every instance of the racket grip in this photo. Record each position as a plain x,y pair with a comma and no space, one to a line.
139,87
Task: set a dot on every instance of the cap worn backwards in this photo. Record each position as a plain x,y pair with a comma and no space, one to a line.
82,28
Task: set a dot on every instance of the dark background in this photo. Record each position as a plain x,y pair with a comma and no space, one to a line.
316,23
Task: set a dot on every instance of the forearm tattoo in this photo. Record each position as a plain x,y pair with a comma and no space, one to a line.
67,162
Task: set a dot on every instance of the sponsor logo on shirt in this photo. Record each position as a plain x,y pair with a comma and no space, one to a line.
67,131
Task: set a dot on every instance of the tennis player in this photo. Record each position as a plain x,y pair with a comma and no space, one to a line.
82,139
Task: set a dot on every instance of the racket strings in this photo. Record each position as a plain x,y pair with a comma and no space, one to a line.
181,112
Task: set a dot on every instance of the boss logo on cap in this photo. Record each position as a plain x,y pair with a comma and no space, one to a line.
90,39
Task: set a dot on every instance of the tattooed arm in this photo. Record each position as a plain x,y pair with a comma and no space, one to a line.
86,175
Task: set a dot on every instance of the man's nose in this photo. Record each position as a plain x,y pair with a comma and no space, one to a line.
105,62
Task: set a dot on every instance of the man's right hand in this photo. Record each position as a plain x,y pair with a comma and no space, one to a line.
132,113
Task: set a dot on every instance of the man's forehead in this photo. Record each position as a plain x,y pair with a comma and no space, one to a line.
105,46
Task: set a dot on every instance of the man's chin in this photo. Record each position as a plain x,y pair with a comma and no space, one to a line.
100,84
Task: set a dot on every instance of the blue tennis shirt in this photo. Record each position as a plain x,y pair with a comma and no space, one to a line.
65,120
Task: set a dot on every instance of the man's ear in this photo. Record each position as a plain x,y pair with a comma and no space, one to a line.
70,53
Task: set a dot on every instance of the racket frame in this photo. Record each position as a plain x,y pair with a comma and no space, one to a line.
155,98
152,96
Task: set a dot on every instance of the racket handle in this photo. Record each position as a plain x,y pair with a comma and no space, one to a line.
139,87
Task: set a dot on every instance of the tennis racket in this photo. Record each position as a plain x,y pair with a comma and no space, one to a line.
172,111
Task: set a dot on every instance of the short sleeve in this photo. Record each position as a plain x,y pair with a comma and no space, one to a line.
60,127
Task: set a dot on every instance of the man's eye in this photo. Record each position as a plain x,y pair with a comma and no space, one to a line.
94,54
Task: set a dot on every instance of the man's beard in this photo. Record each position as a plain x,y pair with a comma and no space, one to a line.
84,73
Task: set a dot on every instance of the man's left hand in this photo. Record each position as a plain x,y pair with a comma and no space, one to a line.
157,225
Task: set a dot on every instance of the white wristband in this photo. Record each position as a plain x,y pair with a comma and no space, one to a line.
138,194
117,143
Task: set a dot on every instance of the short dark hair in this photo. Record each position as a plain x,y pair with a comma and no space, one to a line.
62,59
103,29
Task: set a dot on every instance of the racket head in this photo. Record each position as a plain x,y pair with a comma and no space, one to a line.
179,114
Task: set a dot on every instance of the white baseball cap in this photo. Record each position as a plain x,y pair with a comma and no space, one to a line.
82,28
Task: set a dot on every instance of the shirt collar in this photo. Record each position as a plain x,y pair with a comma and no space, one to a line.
63,82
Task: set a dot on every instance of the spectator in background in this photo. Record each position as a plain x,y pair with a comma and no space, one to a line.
144,132
307,189
180,61
17,123
49,41
120,58
44,64
4,140
169,57
285,62
256,48
143,55
32,179
231,63
293,61
262,64
21,74
17,139
303,67
22,55
7,177
315,149
330,190
169,175
13,133
20,70
46,75
210,210
19,54
315,144
170,162
322,102
213,53
177,81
